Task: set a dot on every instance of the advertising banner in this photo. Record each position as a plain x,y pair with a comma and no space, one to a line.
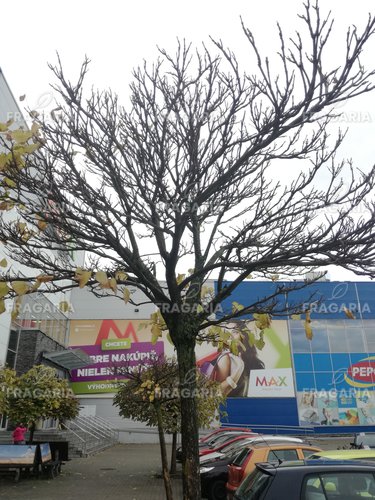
111,344
347,399
252,372
276,383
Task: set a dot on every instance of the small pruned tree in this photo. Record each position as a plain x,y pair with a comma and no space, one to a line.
37,395
181,179
152,395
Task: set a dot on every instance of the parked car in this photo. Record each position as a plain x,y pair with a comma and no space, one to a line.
222,439
241,441
309,480
360,454
214,474
217,440
245,461
210,435
364,440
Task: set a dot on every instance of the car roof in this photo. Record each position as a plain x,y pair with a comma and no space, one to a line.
281,445
346,454
316,465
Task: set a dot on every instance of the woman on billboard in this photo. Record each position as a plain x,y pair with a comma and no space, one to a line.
231,370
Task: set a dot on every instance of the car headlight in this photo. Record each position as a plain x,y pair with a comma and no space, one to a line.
203,470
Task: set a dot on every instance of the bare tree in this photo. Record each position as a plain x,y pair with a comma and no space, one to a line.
181,178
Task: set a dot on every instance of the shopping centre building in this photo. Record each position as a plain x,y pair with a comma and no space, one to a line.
326,383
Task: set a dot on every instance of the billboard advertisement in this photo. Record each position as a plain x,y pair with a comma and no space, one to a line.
348,397
265,372
111,345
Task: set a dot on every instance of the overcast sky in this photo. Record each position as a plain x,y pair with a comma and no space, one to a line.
118,35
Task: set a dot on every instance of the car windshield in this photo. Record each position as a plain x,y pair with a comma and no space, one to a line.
253,486
241,457
222,439
229,448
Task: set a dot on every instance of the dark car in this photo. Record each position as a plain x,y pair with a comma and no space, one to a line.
214,474
309,480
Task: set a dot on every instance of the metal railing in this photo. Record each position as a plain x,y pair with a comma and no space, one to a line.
273,428
97,428
84,447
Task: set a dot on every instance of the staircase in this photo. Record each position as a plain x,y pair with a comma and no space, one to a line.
85,435
88,435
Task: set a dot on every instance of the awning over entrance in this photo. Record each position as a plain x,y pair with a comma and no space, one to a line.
69,358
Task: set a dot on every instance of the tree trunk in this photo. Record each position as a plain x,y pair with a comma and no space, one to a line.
32,430
163,452
189,418
173,467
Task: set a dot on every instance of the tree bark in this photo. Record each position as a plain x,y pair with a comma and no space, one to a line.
173,467
32,430
189,418
164,458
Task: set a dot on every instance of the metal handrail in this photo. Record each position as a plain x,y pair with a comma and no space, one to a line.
84,449
84,422
105,424
82,429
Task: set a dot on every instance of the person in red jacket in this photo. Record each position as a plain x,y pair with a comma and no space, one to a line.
19,434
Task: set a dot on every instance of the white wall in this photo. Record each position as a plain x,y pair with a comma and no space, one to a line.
86,306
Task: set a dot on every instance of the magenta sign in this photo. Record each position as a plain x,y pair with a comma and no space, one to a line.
106,364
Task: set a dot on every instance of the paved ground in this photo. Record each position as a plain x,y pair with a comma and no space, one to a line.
126,472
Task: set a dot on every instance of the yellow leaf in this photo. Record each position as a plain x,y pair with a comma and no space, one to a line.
83,277
113,284
4,289
3,263
156,333
180,278
274,277
42,224
2,306
295,316
5,158
21,226
121,276
64,306
8,182
237,307
36,285
6,205
348,313
152,397
21,136
101,277
30,148
44,278
308,316
26,235
35,127
5,126
308,330
20,287
126,295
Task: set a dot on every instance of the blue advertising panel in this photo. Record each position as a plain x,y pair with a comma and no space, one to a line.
325,299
